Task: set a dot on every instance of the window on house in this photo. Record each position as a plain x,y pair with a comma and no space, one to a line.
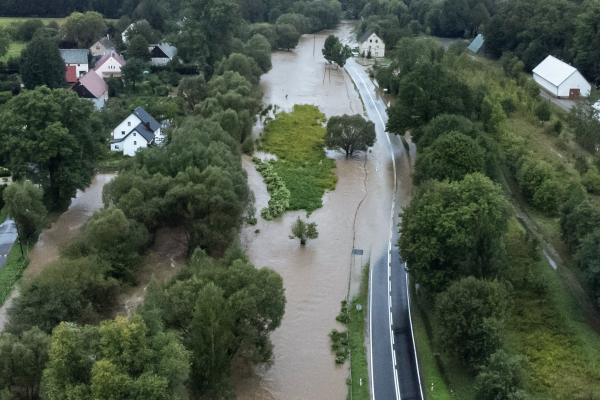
370,40
134,134
129,123
97,47
134,142
116,147
79,65
376,41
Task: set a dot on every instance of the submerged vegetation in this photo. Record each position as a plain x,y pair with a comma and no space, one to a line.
297,139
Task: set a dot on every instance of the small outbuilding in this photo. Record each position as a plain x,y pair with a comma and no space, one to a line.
370,43
560,79
476,45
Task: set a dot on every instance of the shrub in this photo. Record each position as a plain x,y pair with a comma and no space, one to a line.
280,196
248,145
501,378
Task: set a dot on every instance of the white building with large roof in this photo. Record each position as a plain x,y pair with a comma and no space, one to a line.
561,79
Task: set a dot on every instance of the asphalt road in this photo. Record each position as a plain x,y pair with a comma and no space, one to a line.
394,370
8,235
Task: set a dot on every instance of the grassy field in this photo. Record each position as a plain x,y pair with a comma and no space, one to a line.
359,386
12,270
296,139
14,51
6,21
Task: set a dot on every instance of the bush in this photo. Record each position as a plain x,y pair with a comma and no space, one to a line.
24,204
5,96
248,145
280,196
501,378
591,180
588,260
470,314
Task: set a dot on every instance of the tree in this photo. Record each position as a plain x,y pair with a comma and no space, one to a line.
304,231
244,65
223,309
586,39
57,146
451,156
586,126
259,48
470,315
440,125
588,260
42,64
138,49
299,21
266,30
84,29
192,90
287,36
350,133
333,51
24,205
543,112
22,361
454,229
133,71
27,29
501,378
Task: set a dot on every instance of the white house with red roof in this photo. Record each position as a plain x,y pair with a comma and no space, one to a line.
109,66
561,79
76,61
139,130
92,86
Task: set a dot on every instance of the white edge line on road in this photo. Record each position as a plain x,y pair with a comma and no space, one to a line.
413,337
389,246
371,328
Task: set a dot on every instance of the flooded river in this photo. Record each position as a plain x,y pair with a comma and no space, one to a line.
321,274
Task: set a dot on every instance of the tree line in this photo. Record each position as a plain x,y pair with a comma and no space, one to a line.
226,308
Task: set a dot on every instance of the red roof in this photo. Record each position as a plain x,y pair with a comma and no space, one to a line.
92,82
107,57
71,73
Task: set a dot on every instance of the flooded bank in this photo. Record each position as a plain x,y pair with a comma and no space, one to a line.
318,276
67,226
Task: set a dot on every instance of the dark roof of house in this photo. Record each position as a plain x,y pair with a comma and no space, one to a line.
106,42
364,37
146,119
74,56
143,130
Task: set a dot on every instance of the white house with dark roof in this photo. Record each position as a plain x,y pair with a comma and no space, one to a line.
161,53
139,130
109,65
560,79
91,86
371,42
76,61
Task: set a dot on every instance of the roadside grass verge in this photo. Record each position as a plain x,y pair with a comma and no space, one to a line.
297,139
13,269
356,337
14,50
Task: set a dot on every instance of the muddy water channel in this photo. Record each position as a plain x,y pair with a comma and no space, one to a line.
322,273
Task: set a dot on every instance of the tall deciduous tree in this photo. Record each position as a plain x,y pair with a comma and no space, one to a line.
24,205
287,36
259,48
56,146
138,49
22,361
350,133
543,112
42,64
133,72
304,231
333,51
454,229
451,156
84,29
470,314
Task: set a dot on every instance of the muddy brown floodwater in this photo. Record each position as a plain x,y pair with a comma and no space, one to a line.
318,276
66,227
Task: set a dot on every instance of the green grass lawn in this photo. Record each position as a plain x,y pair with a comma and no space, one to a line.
12,270
14,50
356,338
6,21
296,139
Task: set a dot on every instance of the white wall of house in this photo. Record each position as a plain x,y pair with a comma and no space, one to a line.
373,43
545,84
99,103
110,68
80,69
132,143
125,127
575,81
